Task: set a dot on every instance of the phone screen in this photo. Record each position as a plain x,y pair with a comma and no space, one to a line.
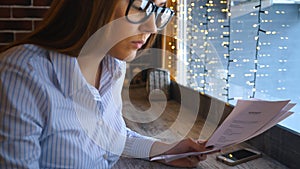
239,154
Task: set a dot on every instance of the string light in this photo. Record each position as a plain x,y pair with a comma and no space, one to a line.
200,21
206,51
227,35
192,70
257,48
170,62
197,79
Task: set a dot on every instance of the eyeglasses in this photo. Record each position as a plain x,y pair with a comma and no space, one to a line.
139,11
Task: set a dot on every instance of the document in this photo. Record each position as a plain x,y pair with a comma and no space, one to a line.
248,119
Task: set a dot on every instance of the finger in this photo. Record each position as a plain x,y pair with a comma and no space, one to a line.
195,146
193,160
202,142
202,157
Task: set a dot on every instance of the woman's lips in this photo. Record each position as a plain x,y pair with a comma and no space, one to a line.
137,44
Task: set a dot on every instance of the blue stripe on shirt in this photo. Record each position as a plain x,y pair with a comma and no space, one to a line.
39,125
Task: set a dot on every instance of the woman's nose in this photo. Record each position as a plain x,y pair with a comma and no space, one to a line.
149,26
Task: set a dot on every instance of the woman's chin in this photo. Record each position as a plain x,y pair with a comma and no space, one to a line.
130,58
124,56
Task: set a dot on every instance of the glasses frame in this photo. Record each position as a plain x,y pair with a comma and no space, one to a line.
155,9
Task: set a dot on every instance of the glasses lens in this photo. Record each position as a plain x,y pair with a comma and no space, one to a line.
139,11
163,16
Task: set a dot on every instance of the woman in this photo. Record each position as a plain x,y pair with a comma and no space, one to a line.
61,87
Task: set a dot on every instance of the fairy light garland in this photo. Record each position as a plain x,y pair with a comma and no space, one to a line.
208,9
200,53
171,41
227,56
192,70
202,21
197,71
257,48
201,59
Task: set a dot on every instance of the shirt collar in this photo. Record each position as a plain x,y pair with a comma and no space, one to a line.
68,73
112,70
66,69
71,80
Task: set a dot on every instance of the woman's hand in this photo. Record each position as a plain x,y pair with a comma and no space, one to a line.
183,146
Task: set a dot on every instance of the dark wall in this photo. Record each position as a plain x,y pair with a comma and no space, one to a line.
20,17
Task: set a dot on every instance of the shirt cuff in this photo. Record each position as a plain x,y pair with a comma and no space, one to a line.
138,147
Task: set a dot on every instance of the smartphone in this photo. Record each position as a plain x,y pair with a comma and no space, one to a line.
239,156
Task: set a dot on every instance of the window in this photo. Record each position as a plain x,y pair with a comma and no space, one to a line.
238,49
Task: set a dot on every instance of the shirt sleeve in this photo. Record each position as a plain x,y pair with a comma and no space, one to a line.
138,146
20,121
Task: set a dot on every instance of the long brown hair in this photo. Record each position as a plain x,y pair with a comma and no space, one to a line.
69,24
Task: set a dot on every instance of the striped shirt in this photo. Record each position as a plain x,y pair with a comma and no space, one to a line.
50,117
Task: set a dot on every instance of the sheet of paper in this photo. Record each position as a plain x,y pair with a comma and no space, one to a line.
245,119
249,118
279,117
284,115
